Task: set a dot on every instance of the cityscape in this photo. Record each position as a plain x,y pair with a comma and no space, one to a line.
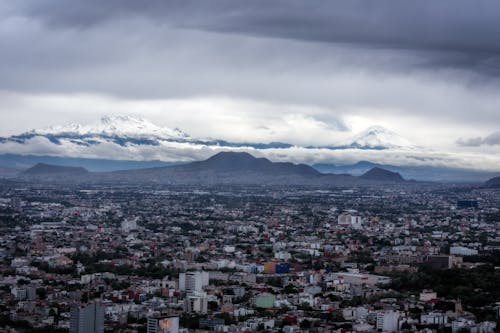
285,166
387,256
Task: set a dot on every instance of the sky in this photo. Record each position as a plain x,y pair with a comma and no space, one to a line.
298,71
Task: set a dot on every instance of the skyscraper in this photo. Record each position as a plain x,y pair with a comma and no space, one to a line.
87,318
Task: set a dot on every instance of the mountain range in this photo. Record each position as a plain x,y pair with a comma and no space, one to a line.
418,172
222,168
127,130
123,142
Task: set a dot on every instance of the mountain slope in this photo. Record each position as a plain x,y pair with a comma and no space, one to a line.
225,162
225,168
493,182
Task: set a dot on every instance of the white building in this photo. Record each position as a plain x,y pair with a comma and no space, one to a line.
348,220
129,225
434,318
282,255
197,303
388,321
462,251
191,282
360,279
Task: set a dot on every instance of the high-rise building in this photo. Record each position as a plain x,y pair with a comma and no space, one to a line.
87,318
191,282
388,321
196,302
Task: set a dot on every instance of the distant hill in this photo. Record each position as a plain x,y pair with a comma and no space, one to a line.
222,168
493,182
420,173
42,169
226,162
382,175
226,168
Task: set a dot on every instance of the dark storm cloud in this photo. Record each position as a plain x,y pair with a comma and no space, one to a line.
491,140
449,25
431,59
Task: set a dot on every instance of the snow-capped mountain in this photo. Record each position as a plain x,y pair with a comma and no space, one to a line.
130,131
376,137
124,126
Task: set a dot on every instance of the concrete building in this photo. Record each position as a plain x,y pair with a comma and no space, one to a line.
361,279
87,318
462,251
196,303
434,318
129,225
348,220
388,321
191,282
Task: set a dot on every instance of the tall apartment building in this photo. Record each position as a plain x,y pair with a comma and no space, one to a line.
191,282
87,318
388,321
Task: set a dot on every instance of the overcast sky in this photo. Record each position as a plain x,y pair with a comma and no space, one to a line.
306,72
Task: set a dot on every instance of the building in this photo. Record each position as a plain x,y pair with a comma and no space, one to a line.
191,282
282,268
265,301
163,325
270,267
196,303
88,318
427,295
388,321
439,262
129,225
462,251
434,318
361,279
349,220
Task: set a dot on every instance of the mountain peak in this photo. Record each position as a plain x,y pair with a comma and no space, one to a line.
379,174
376,137
116,125
232,155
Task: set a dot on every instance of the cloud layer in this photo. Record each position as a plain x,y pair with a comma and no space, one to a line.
491,140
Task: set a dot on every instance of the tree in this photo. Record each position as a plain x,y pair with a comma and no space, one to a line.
305,324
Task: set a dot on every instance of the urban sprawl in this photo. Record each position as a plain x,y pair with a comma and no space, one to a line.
121,258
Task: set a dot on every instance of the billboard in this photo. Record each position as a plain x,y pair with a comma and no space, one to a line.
168,325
